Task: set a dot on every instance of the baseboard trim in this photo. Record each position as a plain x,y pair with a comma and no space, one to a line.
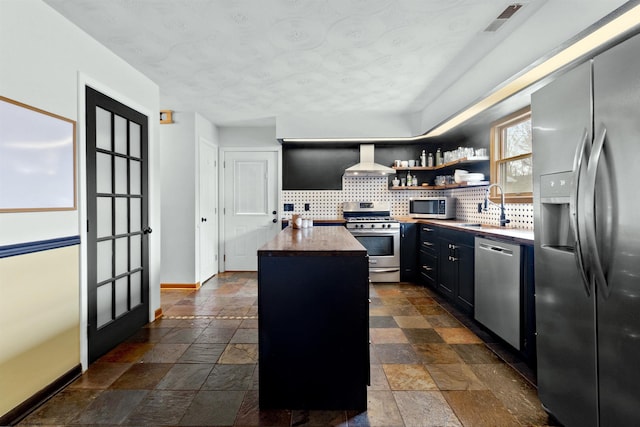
158,313
186,286
20,412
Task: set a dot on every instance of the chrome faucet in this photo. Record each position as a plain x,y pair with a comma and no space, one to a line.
503,218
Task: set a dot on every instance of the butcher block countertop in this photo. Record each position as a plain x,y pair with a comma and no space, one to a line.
317,241
519,235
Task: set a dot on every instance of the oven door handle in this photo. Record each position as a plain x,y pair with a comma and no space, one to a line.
383,270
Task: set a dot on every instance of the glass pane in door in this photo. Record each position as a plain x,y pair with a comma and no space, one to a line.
122,296
120,134
103,173
122,222
104,261
136,289
103,129
134,139
135,215
121,175
104,226
104,304
136,251
135,177
122,255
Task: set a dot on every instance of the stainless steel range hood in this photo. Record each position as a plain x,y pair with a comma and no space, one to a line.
367,166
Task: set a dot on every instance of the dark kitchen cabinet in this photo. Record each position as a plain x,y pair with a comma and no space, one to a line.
456,267
428,254
408,259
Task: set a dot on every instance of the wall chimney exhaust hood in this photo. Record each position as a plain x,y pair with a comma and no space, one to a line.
367,166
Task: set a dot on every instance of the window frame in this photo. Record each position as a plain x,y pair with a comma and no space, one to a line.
496,157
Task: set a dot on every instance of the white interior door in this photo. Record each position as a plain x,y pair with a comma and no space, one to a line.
250,206
208,221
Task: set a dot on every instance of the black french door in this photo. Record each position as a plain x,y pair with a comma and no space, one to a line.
117,229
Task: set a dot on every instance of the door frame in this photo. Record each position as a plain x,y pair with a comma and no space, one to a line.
221,191
154,203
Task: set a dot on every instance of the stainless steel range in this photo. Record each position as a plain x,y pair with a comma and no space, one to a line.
372,225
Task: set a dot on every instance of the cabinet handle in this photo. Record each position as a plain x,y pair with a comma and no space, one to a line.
454,247
427,268
453,259
427,229
427,244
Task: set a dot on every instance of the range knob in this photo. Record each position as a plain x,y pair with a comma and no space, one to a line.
373,225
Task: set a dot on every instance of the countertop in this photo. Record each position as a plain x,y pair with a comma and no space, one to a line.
320,220
520,235
314,241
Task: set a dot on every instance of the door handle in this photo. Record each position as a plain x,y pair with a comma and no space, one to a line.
590,212
147,230
274,213
576,223
383,270
274,220
203,219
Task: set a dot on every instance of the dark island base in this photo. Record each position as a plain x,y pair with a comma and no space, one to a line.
313,332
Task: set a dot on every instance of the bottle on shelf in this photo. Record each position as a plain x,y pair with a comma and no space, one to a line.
409,179
430,160
423,159
438,157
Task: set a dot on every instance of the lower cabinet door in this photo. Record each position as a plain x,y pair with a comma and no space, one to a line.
465,267
447,270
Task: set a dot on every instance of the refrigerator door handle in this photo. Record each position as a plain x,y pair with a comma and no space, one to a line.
590,212
577,224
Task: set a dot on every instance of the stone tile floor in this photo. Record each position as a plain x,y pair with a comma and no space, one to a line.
197,366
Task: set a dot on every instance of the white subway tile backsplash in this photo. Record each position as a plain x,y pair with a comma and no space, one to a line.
328,204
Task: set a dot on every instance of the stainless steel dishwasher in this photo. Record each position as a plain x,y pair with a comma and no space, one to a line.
497,288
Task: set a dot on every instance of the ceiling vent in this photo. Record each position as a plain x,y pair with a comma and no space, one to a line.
502,18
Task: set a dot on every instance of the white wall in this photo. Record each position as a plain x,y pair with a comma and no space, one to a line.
46,61
178,148
179,144
247,136
347,125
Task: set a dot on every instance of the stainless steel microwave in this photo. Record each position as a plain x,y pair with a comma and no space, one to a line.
433,208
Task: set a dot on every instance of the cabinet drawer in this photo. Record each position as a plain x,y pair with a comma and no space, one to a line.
428,266
428,238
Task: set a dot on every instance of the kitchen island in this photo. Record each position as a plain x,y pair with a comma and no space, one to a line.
313,320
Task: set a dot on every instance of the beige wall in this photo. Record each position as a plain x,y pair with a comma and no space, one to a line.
40,322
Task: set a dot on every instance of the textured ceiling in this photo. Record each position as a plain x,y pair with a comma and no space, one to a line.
243,61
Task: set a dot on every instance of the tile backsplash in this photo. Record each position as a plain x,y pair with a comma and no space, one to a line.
328,204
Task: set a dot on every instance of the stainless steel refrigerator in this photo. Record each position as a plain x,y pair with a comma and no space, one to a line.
586,164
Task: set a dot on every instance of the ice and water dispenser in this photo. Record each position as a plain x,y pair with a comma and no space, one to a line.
555,210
